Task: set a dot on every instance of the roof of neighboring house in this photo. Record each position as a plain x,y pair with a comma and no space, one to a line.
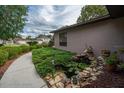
115,11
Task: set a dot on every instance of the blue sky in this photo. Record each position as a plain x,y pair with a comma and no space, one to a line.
43,19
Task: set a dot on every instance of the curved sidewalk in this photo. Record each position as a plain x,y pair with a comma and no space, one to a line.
22,74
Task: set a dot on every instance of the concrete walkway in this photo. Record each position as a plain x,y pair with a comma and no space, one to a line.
22,74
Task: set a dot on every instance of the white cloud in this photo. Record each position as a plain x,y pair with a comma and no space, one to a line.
43,19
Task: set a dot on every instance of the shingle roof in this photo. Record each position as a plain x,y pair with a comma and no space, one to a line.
98,19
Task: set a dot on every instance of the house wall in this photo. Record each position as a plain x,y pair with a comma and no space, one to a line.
107,34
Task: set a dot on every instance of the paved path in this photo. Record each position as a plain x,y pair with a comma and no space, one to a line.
22,74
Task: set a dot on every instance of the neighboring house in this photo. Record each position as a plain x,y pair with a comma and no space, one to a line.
6,42
106,32
20,41
43,40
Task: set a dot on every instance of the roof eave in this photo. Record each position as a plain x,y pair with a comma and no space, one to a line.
84,23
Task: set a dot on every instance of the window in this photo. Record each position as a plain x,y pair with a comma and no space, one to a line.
63,39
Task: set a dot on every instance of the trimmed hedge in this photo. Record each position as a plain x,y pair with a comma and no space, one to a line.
31,43
10,52
25,48
3,56
35,47
13,51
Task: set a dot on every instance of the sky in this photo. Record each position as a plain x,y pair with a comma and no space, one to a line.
43,19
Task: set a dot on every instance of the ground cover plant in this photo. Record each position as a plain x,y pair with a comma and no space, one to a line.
48,60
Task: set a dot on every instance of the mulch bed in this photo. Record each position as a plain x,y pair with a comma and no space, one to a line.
4,67
108,80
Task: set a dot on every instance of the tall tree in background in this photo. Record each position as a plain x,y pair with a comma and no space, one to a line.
12,20
89,12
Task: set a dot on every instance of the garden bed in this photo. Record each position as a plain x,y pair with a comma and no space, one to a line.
50,61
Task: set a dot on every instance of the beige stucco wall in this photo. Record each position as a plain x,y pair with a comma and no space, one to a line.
107,34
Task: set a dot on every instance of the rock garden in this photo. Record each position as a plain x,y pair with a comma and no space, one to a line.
63,69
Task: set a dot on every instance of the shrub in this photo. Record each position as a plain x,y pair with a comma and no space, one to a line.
3,56
73,66
51,43
1,45
112,59
31,43
9,52
25,48
44,44
122,66
35,47
121,50
13,51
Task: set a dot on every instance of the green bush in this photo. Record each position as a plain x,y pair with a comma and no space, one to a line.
51,43
1,45
73,66
44,44
3,56
31,43
9,52
112,59
122,66
121,50
35,47
12,50
25,48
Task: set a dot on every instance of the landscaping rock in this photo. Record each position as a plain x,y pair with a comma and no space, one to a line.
47,77
105,53
101,60
75,86
51,82
88,69
93,78
53,86
69,86
85,71
57,79
60,85
84,84
92,58
99,68
94,70
93,74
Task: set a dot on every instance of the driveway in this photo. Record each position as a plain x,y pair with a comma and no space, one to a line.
22,74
